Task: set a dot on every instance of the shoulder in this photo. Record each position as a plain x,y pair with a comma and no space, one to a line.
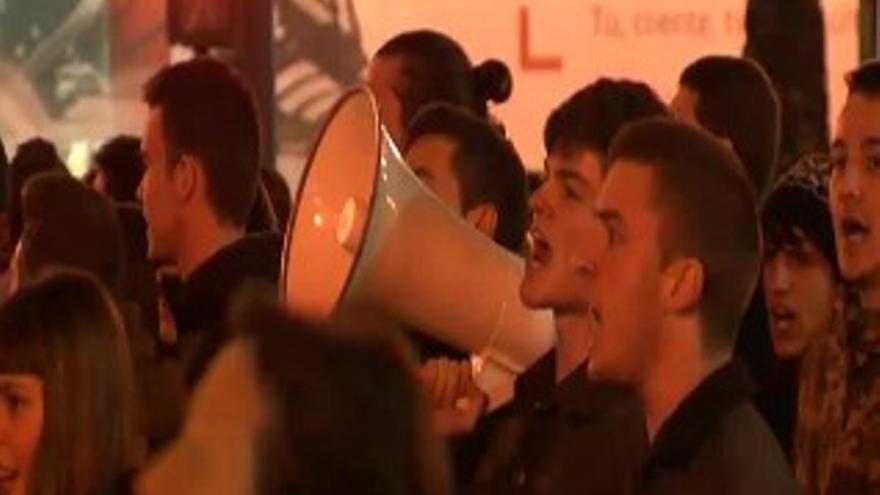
747,454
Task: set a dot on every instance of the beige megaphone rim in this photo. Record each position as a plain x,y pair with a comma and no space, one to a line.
298,203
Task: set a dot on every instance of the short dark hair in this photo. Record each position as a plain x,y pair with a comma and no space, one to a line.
208,112
591,117
438,70
68,224
32,157
708,211
736,100
486,165
327,432
865,79
121,163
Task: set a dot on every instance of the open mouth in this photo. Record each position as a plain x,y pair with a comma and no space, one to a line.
854,230
540,252
783,318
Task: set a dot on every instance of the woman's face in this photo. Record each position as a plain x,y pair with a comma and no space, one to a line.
21,426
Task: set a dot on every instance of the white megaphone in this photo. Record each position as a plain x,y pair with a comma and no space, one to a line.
367,240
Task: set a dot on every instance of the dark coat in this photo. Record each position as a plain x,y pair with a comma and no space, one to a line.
716,443
201,311
200,307
578,437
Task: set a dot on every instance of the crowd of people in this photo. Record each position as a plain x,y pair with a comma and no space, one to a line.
716,314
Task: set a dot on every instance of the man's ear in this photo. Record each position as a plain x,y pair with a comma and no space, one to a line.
484,217
682,284
186,176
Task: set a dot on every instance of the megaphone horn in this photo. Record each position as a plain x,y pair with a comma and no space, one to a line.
367,239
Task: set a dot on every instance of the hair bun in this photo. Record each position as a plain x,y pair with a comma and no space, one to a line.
492,81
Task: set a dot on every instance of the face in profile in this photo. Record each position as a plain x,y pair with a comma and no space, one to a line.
564,231
431,158
157,192
628,275
800,289
386,80
855,190
215,452
21,426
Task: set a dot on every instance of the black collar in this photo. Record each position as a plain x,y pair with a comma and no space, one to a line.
207,291
575,396
682,435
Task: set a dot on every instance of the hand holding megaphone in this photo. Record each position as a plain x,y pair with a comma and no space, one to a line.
457,403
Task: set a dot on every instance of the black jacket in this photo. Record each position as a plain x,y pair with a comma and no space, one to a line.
200,311
716,443
578,437
199,307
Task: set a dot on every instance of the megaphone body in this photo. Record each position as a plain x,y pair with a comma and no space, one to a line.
368,241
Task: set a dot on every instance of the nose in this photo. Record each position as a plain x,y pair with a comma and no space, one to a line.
778,276
538,201
140,191
849,183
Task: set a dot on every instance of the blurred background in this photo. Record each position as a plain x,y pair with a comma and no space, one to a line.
72,70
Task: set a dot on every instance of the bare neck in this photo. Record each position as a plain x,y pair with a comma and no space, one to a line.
573,340
679,368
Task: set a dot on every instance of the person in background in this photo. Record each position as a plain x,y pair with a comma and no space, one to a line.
734,99
120,167
289,408
416,68
477,173
64,223
66,395
802,285
838,425
473,169
31,158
